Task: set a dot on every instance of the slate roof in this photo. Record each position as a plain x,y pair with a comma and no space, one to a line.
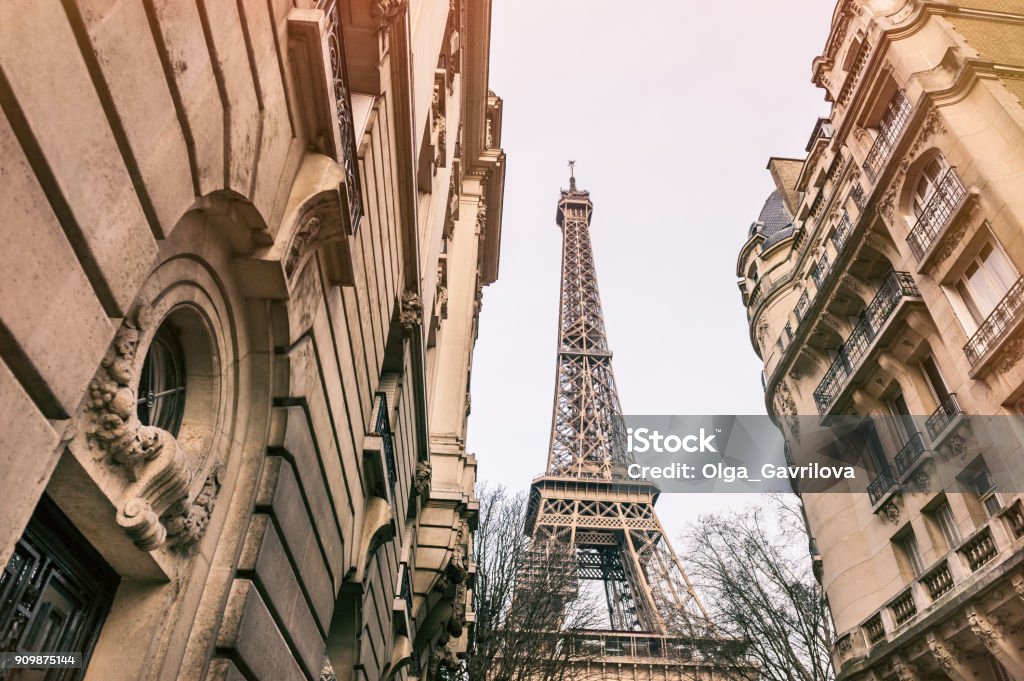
774,223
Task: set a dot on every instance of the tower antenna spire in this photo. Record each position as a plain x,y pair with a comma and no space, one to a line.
572,175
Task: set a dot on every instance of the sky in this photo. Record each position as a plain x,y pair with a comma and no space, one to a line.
671,110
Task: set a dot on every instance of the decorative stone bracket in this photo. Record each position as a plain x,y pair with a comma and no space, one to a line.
155,506
411,313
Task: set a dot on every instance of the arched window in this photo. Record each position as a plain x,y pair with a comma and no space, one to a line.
927,184
161,400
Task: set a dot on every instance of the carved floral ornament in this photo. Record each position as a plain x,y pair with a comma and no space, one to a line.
319,224
155,509
388,11
892,510
944,653
932,126
411,313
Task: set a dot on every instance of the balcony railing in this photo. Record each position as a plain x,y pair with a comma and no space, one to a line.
875,629
820,270
979,550
998,324
382,427
842,232
858,196
904,608
939,581
882,483
948,410
346,126
802,305
887,138
909,454
897,285
1014,517
948,195
405,590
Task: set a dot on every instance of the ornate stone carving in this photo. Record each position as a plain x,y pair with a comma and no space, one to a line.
453,199
457,621
442,301
158,488
481,218
440,127
112,405
762,332
305,235
388,11
785,406
932,125
922,479
986,630
186,528
154,463
892,509
411,313
957,446
478,298
944,653
319,225
1011,354
421,480
904,670
455,571
443,660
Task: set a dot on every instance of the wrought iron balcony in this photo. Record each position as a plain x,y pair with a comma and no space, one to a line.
909,454
947,410
881,150
382,427
998,324
895,287
820,270
802,305
858,196
947,197
882,483
842,232
405,590
346,126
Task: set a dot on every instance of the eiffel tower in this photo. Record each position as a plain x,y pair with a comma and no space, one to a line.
585,503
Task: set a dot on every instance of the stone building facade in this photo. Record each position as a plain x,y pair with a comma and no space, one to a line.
883,279
244,251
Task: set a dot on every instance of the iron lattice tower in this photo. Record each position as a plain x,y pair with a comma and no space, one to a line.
585,504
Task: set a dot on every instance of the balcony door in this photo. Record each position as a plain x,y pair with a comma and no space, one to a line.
54,594
988,277
927,184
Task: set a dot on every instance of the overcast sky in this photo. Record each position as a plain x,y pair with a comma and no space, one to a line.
671,110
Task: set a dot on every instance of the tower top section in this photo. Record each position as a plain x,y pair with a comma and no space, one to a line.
573,199
587,436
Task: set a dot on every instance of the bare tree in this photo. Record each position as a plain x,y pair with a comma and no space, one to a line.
531,614
761,588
